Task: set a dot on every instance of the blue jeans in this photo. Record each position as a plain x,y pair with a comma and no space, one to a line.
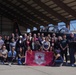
20,61
58,61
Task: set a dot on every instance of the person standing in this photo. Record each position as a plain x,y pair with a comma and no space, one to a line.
64,46
46,45
7,43
72,48
19,44
1,42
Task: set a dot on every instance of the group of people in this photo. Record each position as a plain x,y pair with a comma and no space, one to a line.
13,48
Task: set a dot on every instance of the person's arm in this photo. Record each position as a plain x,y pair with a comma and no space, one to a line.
65,47
0,54
61,47
19,55
43,46
10,46
5,55
48,46
14,55
56,57
22,56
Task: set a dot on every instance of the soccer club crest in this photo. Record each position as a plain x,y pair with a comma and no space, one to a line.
39,58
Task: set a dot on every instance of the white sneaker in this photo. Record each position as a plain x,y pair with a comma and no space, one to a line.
10,64
61,64
73,65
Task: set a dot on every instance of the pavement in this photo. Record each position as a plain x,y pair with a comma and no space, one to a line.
36,70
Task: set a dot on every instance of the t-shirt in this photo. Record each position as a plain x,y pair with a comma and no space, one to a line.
12,44
72,43
12,54
4,52
46,44
64,42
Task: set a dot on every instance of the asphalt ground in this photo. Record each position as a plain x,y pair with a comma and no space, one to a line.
36,70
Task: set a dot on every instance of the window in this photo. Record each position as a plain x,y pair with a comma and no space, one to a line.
61,25
34,29
73,25
51,27
28,30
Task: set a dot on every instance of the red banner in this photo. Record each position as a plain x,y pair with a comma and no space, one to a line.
35,58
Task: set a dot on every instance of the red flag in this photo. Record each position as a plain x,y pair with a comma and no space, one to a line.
39,58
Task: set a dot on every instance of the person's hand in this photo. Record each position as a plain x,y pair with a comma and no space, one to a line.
58,55
4,56
0,54
63,49
75,41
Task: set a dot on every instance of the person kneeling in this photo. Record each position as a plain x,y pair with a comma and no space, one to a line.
58,60
3,54
21,57
12,55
